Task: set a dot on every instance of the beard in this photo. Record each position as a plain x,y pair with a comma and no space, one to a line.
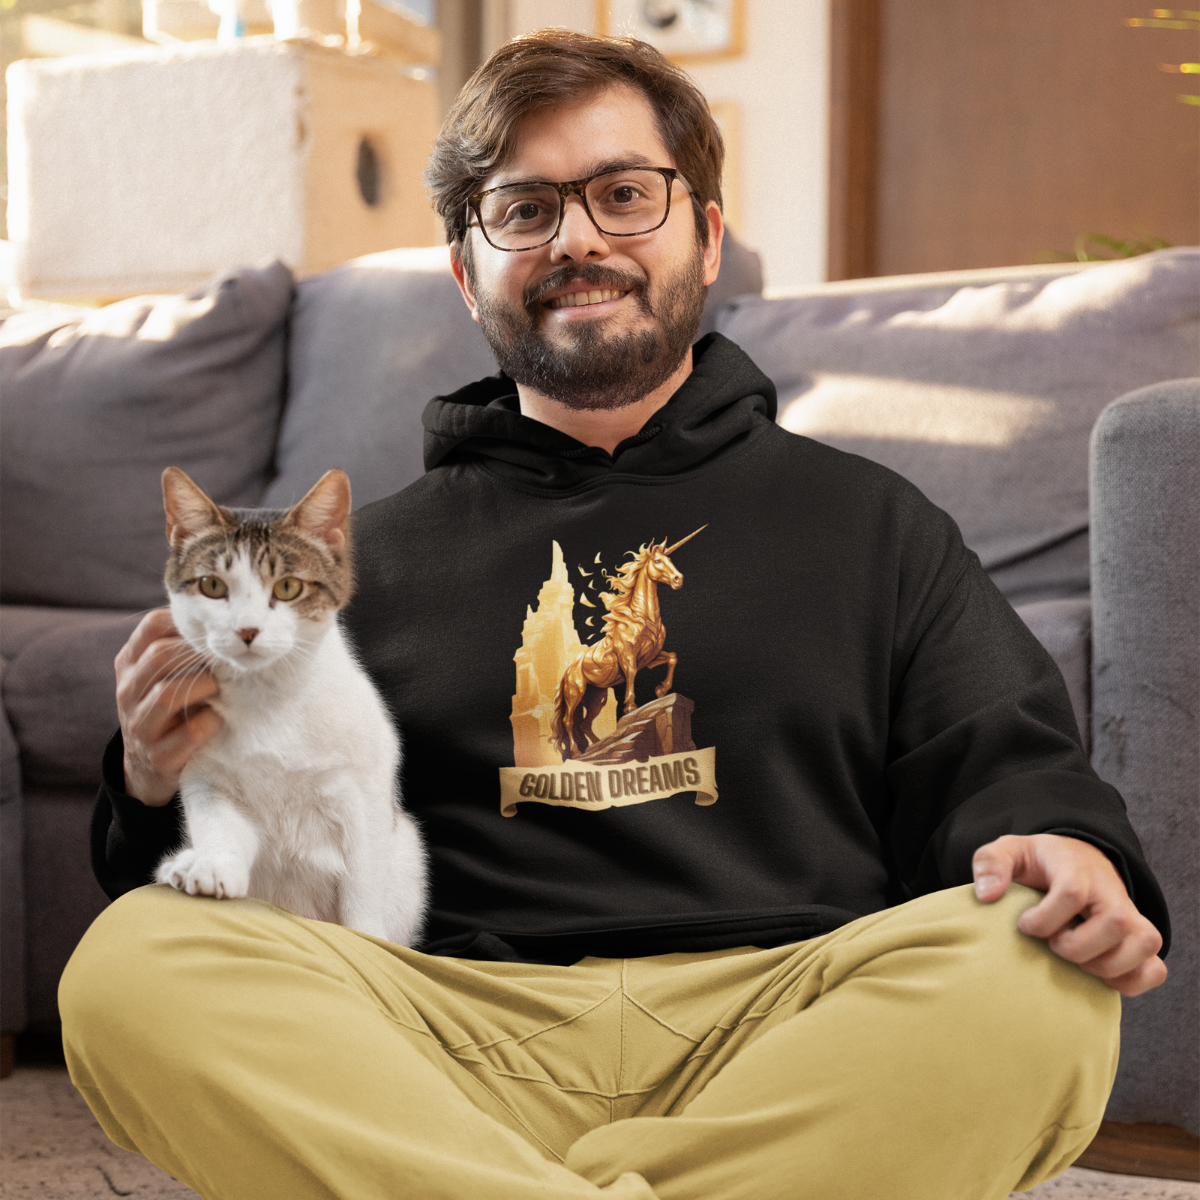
585,367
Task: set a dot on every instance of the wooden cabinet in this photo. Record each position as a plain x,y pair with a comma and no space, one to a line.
970,133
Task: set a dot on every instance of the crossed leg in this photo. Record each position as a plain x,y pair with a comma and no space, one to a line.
927,1051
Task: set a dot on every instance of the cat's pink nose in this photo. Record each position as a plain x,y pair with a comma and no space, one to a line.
247,635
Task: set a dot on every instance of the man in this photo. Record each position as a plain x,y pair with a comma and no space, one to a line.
727,947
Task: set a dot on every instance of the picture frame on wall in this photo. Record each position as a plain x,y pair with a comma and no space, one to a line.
686,31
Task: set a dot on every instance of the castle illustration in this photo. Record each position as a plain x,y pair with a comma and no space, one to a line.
549,642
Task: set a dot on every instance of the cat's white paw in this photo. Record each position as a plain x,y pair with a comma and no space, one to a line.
203,876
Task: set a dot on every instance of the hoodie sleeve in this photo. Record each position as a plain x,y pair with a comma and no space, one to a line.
983,738
128,838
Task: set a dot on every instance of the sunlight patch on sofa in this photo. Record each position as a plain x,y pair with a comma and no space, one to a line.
883,409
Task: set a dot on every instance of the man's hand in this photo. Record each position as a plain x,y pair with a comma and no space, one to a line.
163,691
1086,915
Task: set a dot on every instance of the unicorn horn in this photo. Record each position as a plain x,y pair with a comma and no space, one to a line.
671,549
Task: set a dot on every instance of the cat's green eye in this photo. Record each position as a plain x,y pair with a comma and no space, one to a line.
287,589
213,587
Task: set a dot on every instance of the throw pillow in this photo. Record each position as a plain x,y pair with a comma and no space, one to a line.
97,402
372,342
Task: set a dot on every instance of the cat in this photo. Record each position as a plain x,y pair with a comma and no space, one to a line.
295,799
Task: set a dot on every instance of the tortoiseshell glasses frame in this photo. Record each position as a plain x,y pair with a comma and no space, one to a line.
579,187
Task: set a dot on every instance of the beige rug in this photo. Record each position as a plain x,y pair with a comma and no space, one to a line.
52,1148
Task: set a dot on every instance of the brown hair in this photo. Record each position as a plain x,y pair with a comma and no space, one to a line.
551,66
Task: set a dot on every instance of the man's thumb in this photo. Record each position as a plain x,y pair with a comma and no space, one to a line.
993,870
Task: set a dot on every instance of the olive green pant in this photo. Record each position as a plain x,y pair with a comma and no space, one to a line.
929,1052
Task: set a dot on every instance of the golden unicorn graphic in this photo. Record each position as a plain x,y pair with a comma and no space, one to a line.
633,641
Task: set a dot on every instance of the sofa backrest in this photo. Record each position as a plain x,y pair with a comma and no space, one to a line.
982,387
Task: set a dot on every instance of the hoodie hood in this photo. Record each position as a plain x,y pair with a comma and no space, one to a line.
724,398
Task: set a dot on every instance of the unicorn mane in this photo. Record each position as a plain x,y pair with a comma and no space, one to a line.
622,582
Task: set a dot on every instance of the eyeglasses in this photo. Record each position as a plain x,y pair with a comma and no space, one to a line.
524,216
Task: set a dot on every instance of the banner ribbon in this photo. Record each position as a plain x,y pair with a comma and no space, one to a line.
595,786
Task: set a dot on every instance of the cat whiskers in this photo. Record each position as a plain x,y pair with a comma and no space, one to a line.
183,670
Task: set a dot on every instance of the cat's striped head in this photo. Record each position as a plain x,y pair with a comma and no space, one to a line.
247,587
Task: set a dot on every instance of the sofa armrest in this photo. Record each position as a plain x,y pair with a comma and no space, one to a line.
1145,547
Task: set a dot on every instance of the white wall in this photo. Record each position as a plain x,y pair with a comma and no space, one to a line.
780,86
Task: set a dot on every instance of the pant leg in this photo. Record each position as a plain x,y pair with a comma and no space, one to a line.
928,1052
251,1053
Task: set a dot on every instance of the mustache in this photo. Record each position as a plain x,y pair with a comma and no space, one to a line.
592,274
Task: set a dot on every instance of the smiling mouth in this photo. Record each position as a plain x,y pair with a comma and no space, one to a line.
581,299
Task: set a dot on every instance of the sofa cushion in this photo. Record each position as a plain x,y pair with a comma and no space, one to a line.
982,388
1064,627
98,402
59,689
373,341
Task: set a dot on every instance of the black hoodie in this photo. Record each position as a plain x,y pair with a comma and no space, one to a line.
854,708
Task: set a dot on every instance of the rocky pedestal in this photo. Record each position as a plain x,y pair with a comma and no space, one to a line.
656,729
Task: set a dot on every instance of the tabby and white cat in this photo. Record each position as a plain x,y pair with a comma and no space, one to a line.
295,799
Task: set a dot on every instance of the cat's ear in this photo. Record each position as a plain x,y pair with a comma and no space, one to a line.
189,510
323,513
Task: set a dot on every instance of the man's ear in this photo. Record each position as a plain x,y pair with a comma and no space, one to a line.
712,252
459,268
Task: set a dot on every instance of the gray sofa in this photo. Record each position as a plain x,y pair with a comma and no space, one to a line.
995,391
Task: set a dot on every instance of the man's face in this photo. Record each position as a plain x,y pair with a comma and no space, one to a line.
645,294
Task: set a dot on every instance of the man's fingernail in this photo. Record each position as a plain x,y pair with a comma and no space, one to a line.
985,883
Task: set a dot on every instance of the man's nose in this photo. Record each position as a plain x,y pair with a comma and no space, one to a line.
578,238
